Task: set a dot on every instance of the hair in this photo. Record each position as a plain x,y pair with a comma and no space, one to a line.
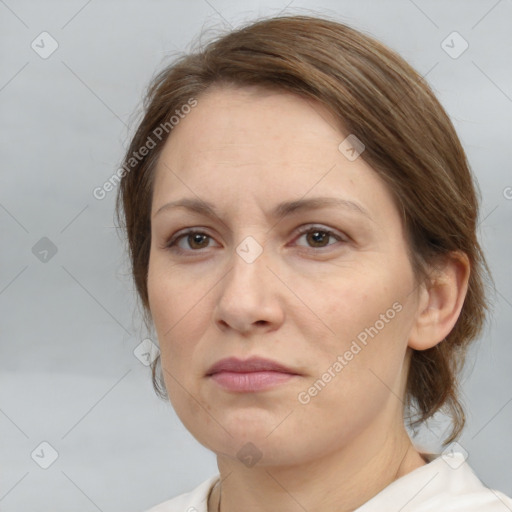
409,141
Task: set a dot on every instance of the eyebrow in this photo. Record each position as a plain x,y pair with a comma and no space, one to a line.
281,210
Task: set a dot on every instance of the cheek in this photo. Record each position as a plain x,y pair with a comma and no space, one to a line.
170,295
175,317
368,323
359,369
181,310
171,309
353,299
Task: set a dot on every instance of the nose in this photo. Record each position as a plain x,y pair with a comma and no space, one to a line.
249,296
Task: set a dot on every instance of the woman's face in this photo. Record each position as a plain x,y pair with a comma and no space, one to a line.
335,309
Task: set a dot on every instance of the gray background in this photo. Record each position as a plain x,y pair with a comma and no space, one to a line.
69,325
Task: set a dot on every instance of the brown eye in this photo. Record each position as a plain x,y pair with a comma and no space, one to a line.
197,238
194,240
318,237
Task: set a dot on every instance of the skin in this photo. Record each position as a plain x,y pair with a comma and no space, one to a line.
301,302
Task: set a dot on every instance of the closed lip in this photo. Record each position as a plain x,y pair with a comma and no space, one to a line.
253,364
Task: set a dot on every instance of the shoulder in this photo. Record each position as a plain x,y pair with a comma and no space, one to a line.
446,484
192,501
484,500
459,489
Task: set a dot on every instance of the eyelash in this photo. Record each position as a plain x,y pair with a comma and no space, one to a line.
171,245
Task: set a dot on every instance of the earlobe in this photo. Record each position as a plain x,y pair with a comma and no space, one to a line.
440,302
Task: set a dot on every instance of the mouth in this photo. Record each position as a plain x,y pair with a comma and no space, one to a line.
252,375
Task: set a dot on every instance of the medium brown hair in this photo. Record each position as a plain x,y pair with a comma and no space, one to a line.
409,141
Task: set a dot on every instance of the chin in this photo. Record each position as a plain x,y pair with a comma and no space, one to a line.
252,441
261,451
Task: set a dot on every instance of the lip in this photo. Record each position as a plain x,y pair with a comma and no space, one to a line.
253,364
250,375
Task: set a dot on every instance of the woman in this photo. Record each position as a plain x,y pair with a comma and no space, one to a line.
301,221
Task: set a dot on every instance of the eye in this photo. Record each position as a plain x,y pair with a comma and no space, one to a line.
197,240
317,235
194,238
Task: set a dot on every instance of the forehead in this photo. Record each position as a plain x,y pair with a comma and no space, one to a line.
246,120
265,144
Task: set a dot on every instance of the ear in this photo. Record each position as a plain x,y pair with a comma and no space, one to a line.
440,301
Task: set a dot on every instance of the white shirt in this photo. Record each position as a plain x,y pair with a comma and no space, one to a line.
445,484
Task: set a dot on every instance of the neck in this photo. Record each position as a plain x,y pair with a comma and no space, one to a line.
340,481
